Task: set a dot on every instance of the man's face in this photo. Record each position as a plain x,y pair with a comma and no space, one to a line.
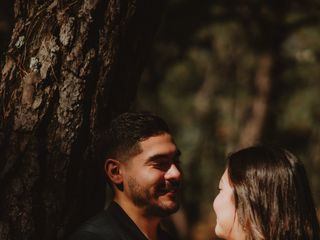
152,177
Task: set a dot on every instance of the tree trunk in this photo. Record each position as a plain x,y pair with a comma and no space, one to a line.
71,66
6,17
254,125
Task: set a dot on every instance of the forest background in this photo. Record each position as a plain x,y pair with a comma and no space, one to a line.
225,75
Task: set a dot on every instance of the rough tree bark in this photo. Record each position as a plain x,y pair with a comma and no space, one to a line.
5,24
70,67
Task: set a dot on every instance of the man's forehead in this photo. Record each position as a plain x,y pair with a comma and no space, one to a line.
159,144
163,137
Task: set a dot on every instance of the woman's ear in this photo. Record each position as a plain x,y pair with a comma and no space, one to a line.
112,169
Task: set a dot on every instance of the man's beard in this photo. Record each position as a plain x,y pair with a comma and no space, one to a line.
144,198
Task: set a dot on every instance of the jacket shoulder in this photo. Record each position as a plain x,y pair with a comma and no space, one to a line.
100,227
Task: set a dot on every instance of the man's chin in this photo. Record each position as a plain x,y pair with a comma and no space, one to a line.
165,208
170,206
173,209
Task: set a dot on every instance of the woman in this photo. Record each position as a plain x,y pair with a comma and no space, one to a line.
265,194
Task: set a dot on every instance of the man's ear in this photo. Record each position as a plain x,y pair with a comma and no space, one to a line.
113,171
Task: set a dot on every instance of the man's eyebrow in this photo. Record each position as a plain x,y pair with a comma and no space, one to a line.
164,155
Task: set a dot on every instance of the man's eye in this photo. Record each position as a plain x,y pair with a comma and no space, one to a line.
177,161
162,165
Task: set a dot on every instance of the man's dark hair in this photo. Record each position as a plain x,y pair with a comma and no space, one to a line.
130,128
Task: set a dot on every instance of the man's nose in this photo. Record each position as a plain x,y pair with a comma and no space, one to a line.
173,173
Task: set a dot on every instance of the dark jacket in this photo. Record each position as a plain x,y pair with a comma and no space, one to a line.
112,224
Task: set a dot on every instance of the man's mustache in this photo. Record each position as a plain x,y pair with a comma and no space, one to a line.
168,186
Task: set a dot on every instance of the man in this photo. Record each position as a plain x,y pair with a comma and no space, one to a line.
142,167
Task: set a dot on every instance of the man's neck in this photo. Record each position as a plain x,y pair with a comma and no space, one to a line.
147,225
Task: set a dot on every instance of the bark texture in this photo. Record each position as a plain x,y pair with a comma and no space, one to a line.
70,67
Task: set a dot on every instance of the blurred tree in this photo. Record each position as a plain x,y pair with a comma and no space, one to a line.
70,67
